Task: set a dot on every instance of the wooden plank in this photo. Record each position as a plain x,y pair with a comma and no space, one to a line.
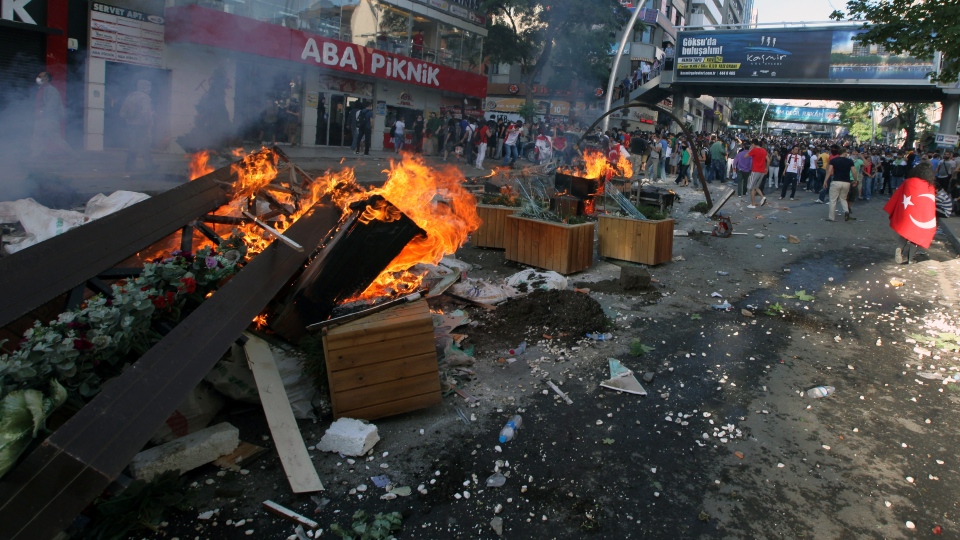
244,454
492,230
288,514
414,403
383,372
300,471
42,495
364,355
376,394
58,264
372,335
555,246
645,242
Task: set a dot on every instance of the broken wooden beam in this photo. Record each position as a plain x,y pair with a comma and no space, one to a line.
59,264
361,249
288,514
43,494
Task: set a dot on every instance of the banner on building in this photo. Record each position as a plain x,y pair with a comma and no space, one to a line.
124,35
810,115
827,54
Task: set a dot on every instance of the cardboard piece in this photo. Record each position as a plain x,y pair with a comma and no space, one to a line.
724,197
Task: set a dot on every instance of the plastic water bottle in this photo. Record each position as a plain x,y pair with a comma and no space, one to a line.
820,391
520,349
509,430
597,336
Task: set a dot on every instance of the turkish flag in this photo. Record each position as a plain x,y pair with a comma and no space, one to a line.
913,211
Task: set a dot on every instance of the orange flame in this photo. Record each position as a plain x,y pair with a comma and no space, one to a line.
253,172
624,167
199,165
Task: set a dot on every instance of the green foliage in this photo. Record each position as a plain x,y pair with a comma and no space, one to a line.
527,111
529,32
701,207
500,199
381,527
855,116
801,295
652,212
946,341
140,507
695,317
747,111
22,416
639,349
908,26
774,310
609,441
75,353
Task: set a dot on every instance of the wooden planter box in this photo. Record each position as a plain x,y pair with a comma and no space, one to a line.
384,364
636,240
559,247
493,221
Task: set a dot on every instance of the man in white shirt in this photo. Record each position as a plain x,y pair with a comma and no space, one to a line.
793,164
645,72
510,143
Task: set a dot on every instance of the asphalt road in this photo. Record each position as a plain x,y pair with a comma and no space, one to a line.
724,446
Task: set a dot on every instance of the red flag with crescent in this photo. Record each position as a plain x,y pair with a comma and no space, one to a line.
913,211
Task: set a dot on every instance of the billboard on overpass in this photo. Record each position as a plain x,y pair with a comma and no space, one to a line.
826,55
807,115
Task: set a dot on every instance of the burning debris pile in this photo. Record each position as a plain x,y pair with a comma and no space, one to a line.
308,246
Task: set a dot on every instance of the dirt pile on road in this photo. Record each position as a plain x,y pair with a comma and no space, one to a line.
559,314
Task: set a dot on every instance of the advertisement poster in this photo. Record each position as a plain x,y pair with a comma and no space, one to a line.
799,54
810,115
124,35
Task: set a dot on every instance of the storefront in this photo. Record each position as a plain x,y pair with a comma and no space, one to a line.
326,78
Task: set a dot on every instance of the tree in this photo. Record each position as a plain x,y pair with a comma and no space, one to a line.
573,36
908,26
747,112
911,117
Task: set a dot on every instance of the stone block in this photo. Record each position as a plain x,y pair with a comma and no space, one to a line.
349,437
186,453
634,278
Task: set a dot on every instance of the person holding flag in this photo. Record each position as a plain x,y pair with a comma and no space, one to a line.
913,212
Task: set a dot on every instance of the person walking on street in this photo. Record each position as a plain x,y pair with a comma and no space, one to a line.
433,131
483,137
653,160
742,165
718,161
510,143
840,171
759,165
683,164
137,112
49,122
793,165
399,134
366,128
945,169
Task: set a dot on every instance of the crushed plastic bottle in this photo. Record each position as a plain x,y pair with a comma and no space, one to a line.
597,336
519,350
496,480
820,391
510,429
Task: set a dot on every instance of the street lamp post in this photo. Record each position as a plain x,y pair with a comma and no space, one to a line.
764,117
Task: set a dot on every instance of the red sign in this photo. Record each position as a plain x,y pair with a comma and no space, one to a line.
194,24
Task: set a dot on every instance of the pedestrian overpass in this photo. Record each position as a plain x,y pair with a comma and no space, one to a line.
820,63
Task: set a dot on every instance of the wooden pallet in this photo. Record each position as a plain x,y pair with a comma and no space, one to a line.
635,240
559,247
492,226
384,364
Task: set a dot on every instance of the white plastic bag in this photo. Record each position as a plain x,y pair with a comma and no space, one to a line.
482,291
527,281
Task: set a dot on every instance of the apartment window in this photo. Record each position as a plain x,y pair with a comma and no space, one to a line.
644,36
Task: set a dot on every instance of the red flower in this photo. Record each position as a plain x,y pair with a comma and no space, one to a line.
158,301
189,285
82,344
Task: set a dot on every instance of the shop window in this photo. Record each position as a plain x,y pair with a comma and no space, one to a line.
393,34
451,45
268,102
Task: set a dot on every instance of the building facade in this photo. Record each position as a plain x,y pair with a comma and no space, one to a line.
292,71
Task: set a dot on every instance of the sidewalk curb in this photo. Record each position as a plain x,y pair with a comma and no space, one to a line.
949,233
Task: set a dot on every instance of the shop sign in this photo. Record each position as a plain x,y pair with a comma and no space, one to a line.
459,11
21,11
439,4
352,58
406,100
330,83
124,35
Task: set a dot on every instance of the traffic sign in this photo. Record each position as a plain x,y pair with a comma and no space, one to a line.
946,141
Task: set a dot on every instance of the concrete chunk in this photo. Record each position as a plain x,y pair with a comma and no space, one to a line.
186,453
349,437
